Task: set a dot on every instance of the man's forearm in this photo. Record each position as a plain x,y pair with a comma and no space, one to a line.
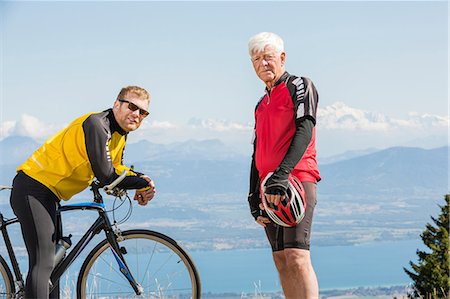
299,144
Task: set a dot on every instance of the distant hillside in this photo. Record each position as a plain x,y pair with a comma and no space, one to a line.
191,166
14,150
394,171
379,196
179,151
345,156
210,166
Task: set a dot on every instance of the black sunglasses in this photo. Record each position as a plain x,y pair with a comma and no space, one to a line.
134,107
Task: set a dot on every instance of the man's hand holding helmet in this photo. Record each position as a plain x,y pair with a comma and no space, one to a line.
276,186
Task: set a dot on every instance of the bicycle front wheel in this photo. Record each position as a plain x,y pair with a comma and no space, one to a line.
7,289
157,262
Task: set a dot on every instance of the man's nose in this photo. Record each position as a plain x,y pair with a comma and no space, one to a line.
135,113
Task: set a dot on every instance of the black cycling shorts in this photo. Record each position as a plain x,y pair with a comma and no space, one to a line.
35,206
281,237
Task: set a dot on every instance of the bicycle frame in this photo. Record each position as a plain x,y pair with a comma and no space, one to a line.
15,265
102,223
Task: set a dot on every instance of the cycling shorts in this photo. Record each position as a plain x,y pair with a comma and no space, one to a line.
281,237
35,206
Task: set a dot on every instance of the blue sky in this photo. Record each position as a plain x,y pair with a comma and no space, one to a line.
381,68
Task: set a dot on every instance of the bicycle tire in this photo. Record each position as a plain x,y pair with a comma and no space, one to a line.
169,270
7,287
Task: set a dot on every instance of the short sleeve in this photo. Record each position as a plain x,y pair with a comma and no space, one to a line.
305,98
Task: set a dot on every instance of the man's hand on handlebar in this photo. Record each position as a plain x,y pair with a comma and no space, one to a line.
143,197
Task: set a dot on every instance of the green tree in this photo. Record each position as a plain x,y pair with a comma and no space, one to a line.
431,273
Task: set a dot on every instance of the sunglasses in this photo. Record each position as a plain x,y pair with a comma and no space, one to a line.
134,107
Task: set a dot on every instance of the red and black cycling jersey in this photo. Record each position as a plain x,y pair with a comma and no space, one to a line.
277,115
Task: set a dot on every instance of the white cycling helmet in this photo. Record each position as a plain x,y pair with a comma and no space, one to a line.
291,210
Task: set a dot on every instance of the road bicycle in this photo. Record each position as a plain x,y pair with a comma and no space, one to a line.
134,263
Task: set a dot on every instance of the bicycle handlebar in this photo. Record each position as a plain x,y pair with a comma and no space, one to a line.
111,188
2,187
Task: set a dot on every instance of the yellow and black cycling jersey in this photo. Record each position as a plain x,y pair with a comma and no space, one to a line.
91,146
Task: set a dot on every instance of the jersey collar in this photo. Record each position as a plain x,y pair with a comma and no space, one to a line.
281,79
114,124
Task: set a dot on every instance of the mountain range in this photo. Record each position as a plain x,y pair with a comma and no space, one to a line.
211,166
397,170
363,196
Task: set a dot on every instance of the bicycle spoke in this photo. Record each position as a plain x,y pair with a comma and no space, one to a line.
109,280
162,269
110,265
149,261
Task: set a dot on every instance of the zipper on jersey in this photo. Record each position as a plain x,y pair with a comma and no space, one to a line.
268,97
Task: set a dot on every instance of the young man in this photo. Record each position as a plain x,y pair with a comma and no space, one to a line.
91,146
285,119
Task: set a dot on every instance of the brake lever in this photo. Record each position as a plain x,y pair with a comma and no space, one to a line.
111,189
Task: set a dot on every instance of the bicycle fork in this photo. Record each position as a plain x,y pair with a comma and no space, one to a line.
126,272
114,237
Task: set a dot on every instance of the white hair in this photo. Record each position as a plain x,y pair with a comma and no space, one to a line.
259,41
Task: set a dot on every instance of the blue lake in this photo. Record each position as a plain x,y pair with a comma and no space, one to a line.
374,264
337,267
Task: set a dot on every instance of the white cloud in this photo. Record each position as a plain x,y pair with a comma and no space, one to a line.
219,125
28,126
155,124
6,128
341,116
340,128
425,120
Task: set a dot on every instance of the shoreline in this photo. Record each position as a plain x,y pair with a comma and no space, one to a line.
398,291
